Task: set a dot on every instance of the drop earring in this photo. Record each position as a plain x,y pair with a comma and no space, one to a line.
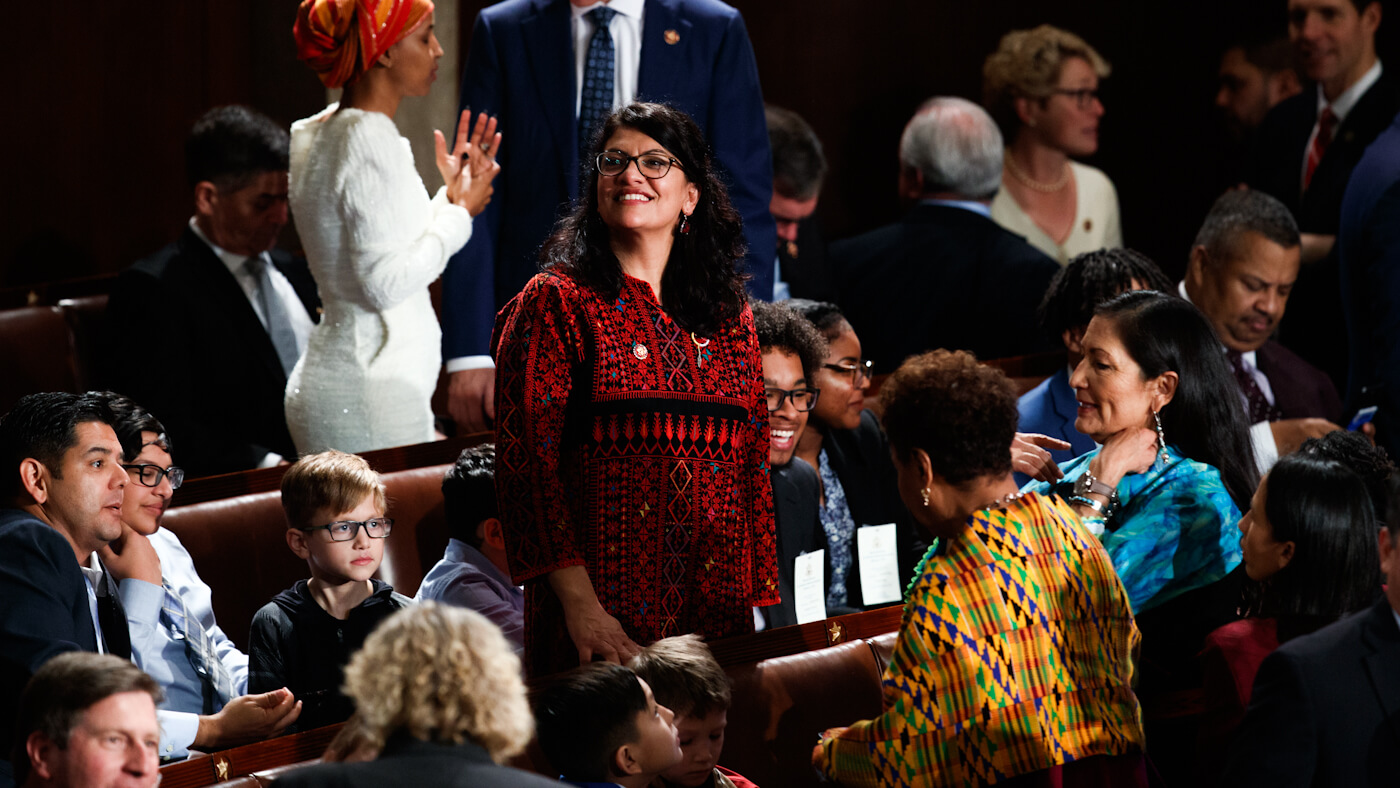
684,228
924,494
1161,437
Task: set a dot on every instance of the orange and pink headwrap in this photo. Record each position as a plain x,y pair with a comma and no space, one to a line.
342,39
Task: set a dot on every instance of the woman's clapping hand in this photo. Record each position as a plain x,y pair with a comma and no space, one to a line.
471,165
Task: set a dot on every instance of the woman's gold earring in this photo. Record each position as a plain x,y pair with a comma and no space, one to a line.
924,494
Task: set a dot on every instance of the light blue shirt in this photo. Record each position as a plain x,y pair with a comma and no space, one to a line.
967,205
466,578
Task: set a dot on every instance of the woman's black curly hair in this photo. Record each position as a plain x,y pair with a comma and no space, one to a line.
701,289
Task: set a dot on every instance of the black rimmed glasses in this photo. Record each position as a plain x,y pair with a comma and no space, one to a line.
1083,97
150,475
802,399
347,530
650,165
856,370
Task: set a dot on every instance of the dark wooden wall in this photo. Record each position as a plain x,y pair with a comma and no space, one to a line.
108,90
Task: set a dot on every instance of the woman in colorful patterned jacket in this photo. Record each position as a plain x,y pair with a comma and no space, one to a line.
1014,659
632,426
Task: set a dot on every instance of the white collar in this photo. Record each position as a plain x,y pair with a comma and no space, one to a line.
231,260
632,8
1343,104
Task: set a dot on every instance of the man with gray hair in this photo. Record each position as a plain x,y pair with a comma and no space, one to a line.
945,275
1242,270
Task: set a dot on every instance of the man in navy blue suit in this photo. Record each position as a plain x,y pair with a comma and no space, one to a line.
526,65
1369,250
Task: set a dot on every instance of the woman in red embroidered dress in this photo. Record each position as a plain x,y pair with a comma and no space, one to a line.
632,428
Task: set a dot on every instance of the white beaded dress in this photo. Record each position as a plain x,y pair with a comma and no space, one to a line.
374,241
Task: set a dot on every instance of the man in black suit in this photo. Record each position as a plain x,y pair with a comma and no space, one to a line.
799,167
1241,275
223,315
1309,145
1326,706
62,484
791,349
946,276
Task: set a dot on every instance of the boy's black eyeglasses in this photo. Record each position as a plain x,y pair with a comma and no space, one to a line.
150,475
802,399
347,530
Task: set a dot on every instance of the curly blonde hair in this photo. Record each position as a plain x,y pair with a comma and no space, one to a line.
1027,64
441,674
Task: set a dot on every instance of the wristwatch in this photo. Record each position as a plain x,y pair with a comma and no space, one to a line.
1089,484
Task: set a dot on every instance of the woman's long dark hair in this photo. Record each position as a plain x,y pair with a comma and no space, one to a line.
701,289
1205,419
1323,508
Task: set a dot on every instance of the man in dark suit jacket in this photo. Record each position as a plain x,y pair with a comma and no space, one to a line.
62,502
1242,273
1369,249
946,275
694,54
1306,163
791,349
1326,707
799,167
223,315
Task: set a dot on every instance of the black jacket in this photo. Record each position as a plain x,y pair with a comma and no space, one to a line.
295,643
413,763
796,496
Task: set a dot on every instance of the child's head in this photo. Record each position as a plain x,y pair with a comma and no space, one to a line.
469,501
338,490
686,678
600,723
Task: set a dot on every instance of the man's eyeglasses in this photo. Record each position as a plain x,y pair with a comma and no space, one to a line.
150,475
802,399
650,165
347,530
857,370
1083,97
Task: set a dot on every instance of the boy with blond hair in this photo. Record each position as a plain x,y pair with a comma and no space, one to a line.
685,678
302,639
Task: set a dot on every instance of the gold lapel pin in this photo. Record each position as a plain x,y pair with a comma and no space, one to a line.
672,37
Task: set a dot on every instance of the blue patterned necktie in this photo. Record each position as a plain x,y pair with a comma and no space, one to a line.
218,684
596,102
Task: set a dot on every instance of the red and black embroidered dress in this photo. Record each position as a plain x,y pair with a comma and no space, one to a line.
628,446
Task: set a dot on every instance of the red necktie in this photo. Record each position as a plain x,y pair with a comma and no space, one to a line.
1326,124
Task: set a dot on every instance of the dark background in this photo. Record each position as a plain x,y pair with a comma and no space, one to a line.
107,92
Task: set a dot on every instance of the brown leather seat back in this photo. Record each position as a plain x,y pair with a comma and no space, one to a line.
240,550
36,354
86,317
780,705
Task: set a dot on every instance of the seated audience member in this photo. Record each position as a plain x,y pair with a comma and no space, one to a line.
1164,492
438,693
946,275
88,721
473,572
169,610
65,496
1085,282
1242,270
1323,707
226,299
1309,542
302,639
799,167
792,350
685,678
1256,73
844,442
1365,459
600,725
1013,580
1042,86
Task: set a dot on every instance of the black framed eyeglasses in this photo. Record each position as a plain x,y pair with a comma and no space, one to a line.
150,475
650,165
803,399
858,370
1083,97
347,530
